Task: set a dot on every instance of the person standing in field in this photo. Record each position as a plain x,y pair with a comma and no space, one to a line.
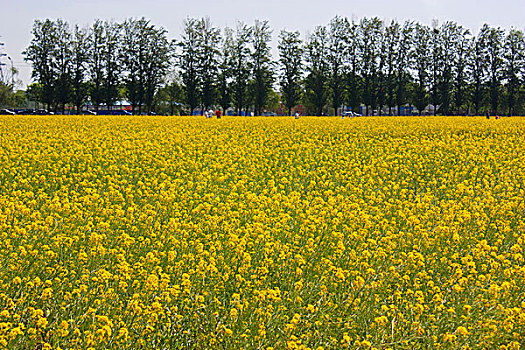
218,114
296,115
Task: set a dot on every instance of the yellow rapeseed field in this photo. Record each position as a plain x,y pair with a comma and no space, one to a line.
262,233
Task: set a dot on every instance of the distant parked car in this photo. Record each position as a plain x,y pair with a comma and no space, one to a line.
7,112
120,112
43,112
113,112
351,114
270,114
24,111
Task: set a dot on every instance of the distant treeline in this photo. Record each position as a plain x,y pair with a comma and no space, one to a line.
366,64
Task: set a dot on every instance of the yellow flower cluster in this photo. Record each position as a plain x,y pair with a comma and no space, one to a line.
262,233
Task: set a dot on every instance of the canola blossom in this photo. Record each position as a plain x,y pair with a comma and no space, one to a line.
262,233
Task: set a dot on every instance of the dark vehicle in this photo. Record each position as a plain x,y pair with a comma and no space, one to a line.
34,112
116,112
120,112
24,111
7,112
43,112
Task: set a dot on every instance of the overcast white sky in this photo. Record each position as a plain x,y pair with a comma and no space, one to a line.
17,16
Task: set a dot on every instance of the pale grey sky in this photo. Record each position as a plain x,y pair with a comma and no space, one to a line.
17,16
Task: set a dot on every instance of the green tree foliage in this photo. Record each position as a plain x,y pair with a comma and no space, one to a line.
337,45
462,48
421,65
225,71
240,65
262,64
189,62
514,66
351,64
41,54
316,89
146,54
478,67
79,65
96,63
371,34
290,63
208,38
110,63
493,41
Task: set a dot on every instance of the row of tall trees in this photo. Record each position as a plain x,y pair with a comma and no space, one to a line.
234,69
98,64
367,65
386,66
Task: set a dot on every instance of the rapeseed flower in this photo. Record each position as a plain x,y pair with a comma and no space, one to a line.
317,233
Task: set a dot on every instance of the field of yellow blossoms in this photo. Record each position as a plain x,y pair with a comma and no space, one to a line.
262,233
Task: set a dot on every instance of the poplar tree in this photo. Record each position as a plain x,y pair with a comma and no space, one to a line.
421,65
155,64
478,68
110,63
403,63
96,63
225,72
391,48
189,62
208,60
446,41
240,65
462,48
79,65
40,53
290,64
370,48
493,39
62,60
514,66
262,64
316,70
336,51
353,66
